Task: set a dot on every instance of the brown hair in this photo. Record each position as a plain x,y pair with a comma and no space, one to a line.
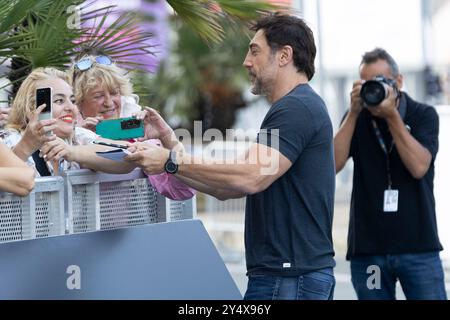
287,30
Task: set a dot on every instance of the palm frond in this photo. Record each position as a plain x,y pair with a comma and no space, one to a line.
246,10
205,17
53,40
121,39
12,12
199,16
37,34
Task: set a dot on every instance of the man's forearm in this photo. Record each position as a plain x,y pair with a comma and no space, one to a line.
221,194
343,139
239,177
415,157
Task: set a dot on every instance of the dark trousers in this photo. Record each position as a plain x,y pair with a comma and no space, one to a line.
421,276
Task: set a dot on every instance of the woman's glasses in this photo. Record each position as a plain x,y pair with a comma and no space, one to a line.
87,63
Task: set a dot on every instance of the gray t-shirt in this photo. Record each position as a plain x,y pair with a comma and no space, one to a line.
288,225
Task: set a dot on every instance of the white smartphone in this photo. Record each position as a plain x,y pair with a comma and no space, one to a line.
44,95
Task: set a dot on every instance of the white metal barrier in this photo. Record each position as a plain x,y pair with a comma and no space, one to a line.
40,214
82,201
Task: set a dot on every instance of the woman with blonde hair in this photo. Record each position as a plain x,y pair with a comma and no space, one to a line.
104,91
63,145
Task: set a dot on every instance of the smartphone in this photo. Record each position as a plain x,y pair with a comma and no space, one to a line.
44,95
111,145
120,129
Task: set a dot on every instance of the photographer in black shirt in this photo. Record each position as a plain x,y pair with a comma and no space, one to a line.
393,141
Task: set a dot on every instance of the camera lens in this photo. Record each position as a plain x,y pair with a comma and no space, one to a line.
373,92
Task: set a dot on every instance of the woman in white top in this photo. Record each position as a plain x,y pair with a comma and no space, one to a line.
62,144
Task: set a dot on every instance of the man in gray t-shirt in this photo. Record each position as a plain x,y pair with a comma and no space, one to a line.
292,219
288,174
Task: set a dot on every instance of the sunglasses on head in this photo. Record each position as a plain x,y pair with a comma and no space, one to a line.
87,63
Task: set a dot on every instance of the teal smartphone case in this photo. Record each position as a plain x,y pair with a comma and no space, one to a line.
120,129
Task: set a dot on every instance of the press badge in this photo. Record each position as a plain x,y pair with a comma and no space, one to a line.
391,201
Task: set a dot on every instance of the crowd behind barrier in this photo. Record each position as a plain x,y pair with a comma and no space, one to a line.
85,201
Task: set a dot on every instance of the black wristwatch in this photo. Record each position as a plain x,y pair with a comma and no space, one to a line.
171,165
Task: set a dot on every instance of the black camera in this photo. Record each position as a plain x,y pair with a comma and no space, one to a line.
373,92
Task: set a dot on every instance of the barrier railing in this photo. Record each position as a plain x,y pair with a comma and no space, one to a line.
40,214
82,201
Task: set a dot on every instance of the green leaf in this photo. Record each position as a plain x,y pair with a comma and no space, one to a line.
205,17
199,16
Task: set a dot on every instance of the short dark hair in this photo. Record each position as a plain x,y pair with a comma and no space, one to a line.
381,54
287,30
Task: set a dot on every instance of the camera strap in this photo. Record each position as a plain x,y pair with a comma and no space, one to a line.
385,150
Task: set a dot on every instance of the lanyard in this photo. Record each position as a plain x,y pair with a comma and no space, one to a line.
385,150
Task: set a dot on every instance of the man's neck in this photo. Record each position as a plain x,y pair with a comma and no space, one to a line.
285,84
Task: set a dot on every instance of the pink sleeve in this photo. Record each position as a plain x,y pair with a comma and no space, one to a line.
168,185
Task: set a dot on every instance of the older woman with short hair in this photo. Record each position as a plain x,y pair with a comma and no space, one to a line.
104,91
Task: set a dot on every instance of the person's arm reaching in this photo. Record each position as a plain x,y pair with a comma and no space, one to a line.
261,167
220,194
86,156
15,176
